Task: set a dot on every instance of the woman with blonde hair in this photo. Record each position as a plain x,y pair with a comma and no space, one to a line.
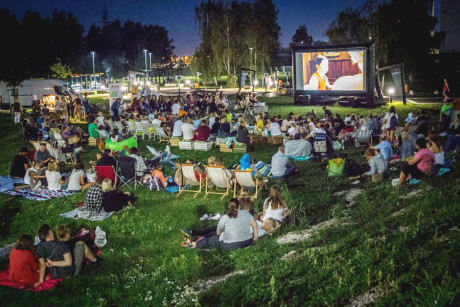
275,206
54,178
113,199
78,249
245,201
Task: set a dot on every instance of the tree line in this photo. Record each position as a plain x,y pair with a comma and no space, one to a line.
34,44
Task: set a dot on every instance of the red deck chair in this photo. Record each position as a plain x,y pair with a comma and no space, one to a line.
107,172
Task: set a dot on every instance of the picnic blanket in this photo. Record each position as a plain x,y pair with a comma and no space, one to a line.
39,194
48,284
83,213
131,142
6,183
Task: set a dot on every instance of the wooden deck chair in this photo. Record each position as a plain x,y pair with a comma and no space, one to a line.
244,180
146,131
107,172
111,124
119,126
217,177
36,144
162,136
103,135
59,140
188,177
53,151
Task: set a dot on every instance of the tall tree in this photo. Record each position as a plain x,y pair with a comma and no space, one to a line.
301,37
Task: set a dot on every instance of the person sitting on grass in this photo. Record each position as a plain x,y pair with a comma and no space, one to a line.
275,206
20,164
281,167
406,149
93,201
245,201
158,172
42,155
23,262
107,159
78,249
53,255
114,199
54,178
418,166
77,179
385,149
233,230
203,132
376,164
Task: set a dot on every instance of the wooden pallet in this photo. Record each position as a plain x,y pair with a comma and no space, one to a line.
185,145
92,141
276,140
256,139
223,148
174,142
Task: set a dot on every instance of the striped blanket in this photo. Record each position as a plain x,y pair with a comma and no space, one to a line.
40,194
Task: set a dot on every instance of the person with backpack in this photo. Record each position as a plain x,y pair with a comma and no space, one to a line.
391,122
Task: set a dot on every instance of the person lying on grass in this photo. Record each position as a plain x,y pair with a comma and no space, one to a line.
232,232
78,249
418,166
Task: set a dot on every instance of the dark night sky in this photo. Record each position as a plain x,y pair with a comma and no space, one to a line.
178,15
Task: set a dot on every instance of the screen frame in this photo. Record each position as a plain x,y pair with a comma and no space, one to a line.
367,69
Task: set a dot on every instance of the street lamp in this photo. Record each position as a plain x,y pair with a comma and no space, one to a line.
94,71
250,63
391,91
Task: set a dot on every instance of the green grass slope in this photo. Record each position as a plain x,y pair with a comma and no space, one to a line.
372,244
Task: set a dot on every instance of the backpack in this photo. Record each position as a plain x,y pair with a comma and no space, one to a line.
154,183
393,122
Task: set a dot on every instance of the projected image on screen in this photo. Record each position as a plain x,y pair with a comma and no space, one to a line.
330,71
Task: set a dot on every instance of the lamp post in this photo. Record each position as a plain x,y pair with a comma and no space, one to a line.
94,70
150,56
250,65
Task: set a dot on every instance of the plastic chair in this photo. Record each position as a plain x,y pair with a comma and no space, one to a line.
146,131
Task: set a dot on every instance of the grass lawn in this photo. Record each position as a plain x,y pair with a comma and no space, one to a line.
394,246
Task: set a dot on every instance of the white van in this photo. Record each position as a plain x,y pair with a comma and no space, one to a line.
30,90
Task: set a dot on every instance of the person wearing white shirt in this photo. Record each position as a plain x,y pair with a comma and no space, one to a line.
54,178
188,131
175,108
177,132
274,128
156,121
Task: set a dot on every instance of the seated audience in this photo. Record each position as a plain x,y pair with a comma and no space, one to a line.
42,155
376,163
407,149
187,130
203,132
78,249
243,135
107,159
275,206
245,201
114,199
54,178
274,128
53,255
93,200
418,166
20,164
77,179
385,149
23,263
281,167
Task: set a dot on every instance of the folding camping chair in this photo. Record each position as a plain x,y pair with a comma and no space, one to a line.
107,172
244,180
127,174
363,138
217,177
188,176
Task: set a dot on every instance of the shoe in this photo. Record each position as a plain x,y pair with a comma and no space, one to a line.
168,150
155,152
187,233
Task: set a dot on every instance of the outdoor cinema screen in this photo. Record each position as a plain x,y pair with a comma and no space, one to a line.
331,70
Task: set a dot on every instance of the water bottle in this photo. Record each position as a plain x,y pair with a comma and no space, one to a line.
343,145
